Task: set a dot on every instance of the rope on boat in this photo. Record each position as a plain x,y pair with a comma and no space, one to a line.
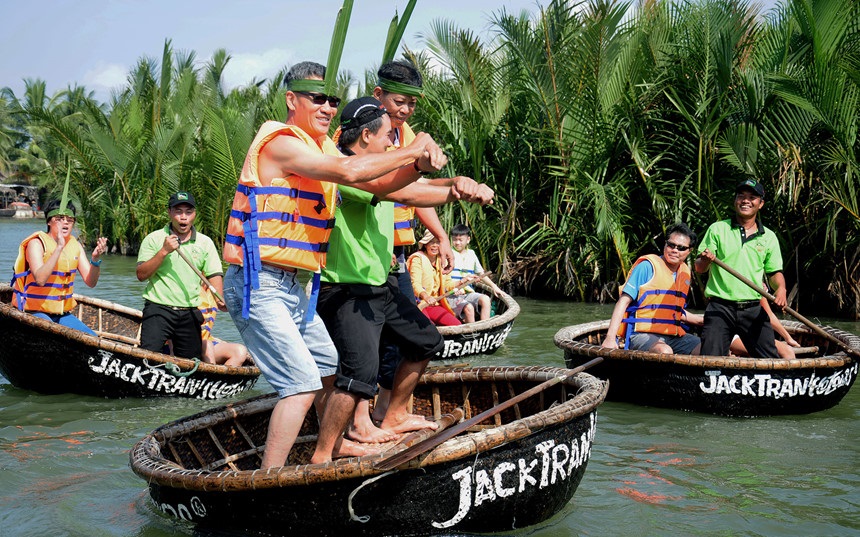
365,518
174,369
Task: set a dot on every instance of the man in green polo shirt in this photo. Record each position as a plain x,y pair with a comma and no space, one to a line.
172,293
357,301
744,244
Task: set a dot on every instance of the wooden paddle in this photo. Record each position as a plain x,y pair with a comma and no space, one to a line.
426,445
200,274
468,280
815,328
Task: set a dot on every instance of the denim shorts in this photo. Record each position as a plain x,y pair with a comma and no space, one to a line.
643,341
292,353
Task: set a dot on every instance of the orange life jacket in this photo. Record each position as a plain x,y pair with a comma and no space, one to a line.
55,297
661,301
286,224
404,216
208,308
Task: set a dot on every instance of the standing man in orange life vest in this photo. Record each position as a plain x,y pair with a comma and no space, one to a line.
281,220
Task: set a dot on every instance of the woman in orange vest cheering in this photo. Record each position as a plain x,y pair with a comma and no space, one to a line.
654,301
45,269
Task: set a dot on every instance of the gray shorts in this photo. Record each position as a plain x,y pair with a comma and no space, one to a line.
643,341
458,302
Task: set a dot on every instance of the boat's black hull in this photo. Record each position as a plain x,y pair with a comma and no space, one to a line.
729,386
482,337
45,357
519,484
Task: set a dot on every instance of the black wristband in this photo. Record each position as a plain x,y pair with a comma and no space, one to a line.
419,170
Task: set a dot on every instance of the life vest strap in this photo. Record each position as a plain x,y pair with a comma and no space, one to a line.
287,218
287,191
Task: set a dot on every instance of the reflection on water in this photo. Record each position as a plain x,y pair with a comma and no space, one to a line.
64,458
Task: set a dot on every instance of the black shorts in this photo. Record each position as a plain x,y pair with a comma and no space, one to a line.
180,325
358,316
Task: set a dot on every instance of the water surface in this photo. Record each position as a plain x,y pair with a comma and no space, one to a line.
64,458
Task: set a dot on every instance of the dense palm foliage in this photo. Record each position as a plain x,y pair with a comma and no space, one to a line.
598,124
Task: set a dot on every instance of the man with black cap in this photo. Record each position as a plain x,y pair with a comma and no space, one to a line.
744,244
172,293
358,302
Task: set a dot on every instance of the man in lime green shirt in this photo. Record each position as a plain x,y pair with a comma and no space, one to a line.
744,244
172,293
357,301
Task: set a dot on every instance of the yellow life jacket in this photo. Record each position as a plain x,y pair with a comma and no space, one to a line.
661,301
404,216
208,308
55,297
286,224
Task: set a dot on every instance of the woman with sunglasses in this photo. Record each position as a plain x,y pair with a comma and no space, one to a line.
45,269
651,309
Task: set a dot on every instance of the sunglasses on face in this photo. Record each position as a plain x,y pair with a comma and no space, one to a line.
679,247
320,99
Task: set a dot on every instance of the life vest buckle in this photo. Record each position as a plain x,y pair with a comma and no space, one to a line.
323,247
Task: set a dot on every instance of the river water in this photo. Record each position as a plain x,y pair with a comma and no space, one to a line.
64,458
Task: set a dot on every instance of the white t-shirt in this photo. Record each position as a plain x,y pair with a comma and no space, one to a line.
465,264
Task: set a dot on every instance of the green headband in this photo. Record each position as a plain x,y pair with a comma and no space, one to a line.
399,87
316,86
63,209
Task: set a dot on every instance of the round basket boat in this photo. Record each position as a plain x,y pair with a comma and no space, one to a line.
480,337
50,358
516,469
725,385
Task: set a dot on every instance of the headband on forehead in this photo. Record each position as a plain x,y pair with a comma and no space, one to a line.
314,86
399,87
363,115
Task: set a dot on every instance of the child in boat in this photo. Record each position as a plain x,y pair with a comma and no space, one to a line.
45,269
466,265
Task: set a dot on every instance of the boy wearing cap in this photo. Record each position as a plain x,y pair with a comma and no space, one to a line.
744,244
358,301
172,293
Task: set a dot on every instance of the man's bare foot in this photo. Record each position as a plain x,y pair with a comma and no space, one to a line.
347,448
371,434
407,423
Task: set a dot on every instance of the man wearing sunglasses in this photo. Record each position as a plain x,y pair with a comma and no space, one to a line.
753,250
281,221
651,310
